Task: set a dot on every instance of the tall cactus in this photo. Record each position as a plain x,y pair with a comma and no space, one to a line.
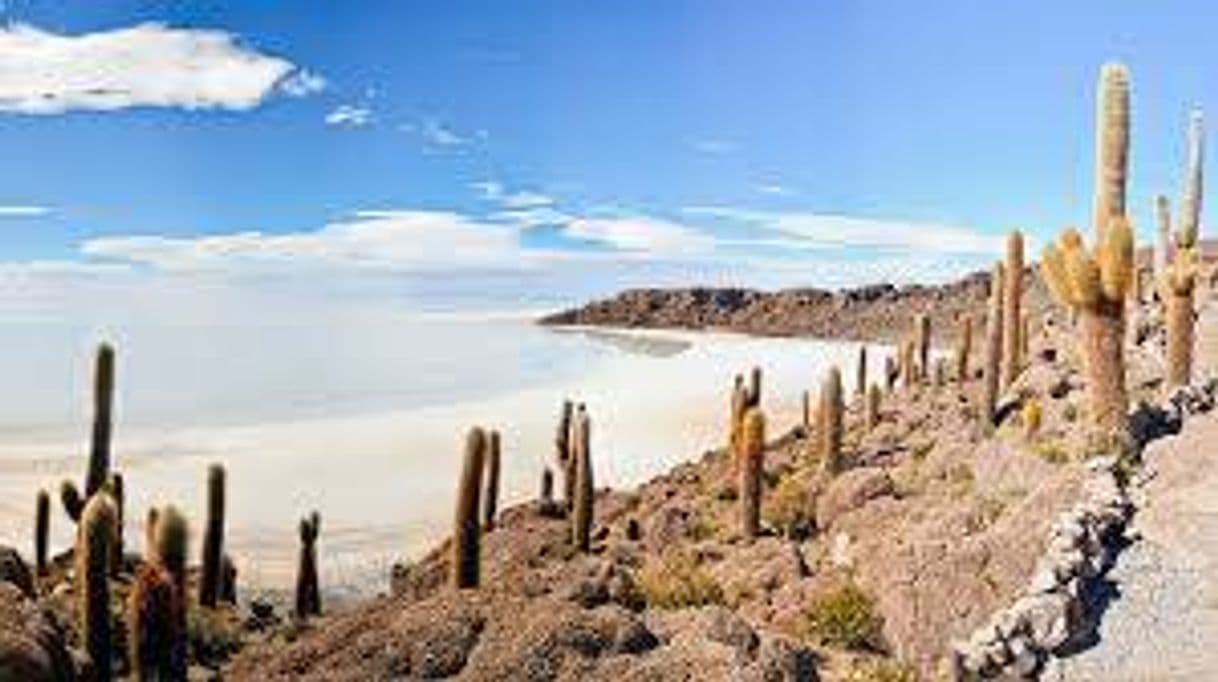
890,373
562,447
807,411
466,562
150,534
151,624
1180,278
993,349
114,488
490,500
1163,241
860,374
922,334
42,529
1190,202
964,347
93,547
213,537
873,407
581,518
1095,285
909,372
308,591
103,419
171,541
1112,147
752,464
754,393
1012,310
829,426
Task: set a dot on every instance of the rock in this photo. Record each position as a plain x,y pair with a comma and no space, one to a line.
13,570
781,658
1024,660
850,491
32,645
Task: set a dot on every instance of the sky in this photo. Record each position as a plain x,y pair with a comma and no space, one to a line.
208,152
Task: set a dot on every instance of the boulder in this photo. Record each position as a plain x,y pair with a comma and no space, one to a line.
850,491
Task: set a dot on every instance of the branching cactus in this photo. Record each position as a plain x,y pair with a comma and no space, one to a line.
964,347
873,406
466,563
151,624
103,416
73,503
93,547
752,465
585,491
829,426
922,373
860,374
42,530
993,349
1095,284
490,502
308,591
1012,310
213,537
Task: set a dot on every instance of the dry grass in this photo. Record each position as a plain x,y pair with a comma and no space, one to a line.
676,580
845,617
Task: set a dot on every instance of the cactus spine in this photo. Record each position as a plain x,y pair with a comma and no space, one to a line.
873,406
829,426
213,537
491,501
964,348
466,530
581,519
93,547
1012,314
993,349
308,592
860,375
42,529
103,405
151,624
752,446
1112,146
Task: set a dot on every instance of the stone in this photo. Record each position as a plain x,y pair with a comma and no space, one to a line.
850,491
1024,659
13,570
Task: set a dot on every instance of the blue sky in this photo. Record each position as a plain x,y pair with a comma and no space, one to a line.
790,143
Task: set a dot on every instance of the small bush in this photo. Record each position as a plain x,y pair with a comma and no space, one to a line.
1051,451
675,580
213,634
790,505
1030,415
882,671
846,617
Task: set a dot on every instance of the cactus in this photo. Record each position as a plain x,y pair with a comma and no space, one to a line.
1190,202
922,335
1012,313
940,373
1031,417
103,404
93,547
964,347
1176,290
581,518
1025,337
73,503
908,371
114,488
860,375
1112,147
993,349
152,624
213,537
873,407
308,592
42,529
739,405
466,529
1095,285
150,534
890,373
754,392
562,446
807,411
752,465
1163,242
228,580
169,552
491,497
829,426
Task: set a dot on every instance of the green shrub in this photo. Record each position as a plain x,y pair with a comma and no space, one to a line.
882,671
846,617
1051,451
789,504
675,580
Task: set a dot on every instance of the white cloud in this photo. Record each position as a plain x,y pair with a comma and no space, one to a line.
814,230
533,217
406,240
713,146
774,190
525,199
27,211
148,65
437,134
641,234
349,116
490,190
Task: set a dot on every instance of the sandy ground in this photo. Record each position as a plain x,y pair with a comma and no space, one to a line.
1163,623
384,483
